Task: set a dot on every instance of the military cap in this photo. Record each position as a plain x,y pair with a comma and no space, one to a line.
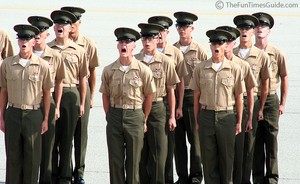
235,33
264,18
185,18
63,17
42,23
124,33
150,30
25,31
164,21
218,36
77,11
249,21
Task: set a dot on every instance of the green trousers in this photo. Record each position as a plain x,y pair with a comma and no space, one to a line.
64,132
249,145
124,133
239,146
186,127
266,146
81,137
154,153
217,141
23,145
48,139
169,176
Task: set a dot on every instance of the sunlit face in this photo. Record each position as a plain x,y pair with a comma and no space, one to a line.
230,46
149,44
75,26
262,31
185,31
41,38
163,36
217,50
246,34
125,48
26,45
62,30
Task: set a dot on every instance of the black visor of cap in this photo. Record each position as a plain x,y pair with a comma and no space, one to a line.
184,23
25,36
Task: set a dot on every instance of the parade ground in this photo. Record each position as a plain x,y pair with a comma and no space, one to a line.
104,16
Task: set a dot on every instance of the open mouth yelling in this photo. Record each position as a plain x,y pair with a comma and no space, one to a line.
124,51
60,30
217,51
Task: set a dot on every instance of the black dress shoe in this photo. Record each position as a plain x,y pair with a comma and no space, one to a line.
181,181
79,180
195,180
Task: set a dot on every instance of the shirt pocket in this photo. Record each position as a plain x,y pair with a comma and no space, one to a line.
135,87
274,69
34,77
12,76
227,82
192,62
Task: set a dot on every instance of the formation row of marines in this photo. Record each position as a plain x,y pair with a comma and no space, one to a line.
48,89
226,105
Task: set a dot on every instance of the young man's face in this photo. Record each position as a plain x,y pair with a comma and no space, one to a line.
62,30
75,26
125,48
217,50
41,38
149,44
246,34
26,45
230,46
185,31
163,36
262,31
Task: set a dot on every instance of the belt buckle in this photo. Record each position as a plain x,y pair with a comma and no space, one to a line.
23,107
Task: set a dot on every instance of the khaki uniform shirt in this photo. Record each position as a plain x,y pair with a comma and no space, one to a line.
247,74
6,48
25,84
194,54
177,56
75,61
127,89
91,50
259,64
278,67
217,88
163,70
56,64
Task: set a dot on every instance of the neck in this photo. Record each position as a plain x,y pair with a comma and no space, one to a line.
40,47
161,45
185,41
62,41
261,43
125,61
218,59
26,55
152,52
246,45
74,36
229,55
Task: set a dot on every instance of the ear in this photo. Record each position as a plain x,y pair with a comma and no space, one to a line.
133,45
